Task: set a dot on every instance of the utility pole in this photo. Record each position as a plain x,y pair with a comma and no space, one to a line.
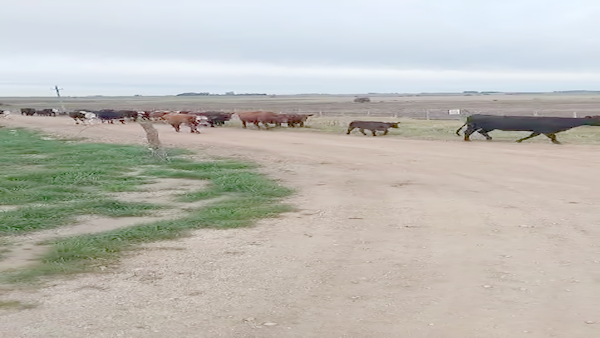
62,106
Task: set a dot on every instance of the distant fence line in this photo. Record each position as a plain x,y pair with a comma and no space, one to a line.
426,114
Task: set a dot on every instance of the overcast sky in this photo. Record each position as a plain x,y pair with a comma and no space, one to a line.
159,47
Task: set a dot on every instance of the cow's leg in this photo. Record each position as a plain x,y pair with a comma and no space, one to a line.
349,130
552,137
386,132
470,130
362,131
534,134
374,131
485,133
244,123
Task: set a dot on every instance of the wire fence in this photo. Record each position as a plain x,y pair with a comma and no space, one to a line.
428,114
388,112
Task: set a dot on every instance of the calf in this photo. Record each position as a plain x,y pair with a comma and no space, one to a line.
373,126
293,119
537,125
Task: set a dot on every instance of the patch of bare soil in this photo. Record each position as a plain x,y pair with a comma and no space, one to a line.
26,249
396,238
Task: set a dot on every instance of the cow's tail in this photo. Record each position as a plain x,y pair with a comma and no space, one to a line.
461,127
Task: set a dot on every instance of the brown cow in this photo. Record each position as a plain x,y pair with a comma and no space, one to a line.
263,117
176,120
294,119
373,126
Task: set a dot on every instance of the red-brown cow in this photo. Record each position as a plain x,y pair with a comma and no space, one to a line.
176,120
263,117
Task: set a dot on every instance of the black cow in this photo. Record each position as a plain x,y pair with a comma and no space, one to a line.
129,114
110,115
373,126
28,111
215,118
46,112
537,125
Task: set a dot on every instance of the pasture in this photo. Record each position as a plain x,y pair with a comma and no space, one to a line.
416,233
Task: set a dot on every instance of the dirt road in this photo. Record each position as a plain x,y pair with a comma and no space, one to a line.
395,238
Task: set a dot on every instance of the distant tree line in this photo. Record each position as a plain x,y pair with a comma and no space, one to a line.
226,94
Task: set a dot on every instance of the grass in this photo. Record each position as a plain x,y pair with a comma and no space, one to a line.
16,305
431,130
53,182
4,247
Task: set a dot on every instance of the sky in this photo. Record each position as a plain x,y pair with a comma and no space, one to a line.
158,47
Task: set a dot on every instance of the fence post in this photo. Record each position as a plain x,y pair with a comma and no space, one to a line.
320,113
395,115
368,113
427,114
575,114
535,113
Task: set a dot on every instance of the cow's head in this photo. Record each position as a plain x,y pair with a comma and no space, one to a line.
593,120
394,124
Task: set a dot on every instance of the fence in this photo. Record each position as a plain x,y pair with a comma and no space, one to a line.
426,114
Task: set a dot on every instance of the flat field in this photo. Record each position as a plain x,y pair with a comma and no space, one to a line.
418,234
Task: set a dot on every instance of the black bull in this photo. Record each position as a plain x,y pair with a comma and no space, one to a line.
537,125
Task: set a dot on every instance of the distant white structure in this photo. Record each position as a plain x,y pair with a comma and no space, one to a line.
454,112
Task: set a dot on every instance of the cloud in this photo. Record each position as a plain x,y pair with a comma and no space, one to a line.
433,44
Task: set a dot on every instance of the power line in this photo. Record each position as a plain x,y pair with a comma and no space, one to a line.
62,106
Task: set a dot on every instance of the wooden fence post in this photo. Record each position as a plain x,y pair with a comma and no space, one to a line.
153,141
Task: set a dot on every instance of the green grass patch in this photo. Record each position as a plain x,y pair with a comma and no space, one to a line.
54,181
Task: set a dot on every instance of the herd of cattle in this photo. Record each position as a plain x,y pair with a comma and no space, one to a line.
481,123
177,118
